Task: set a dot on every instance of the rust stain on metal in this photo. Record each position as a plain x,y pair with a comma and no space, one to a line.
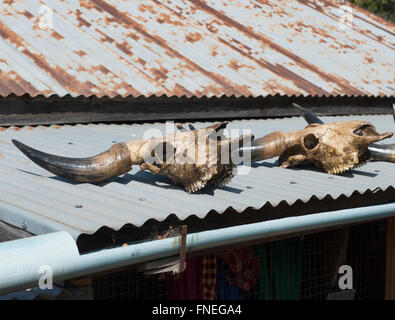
80,53
110,20
27,14
389,27
313,5
159,74
300,82
214,52
228,89
148,7
193,37
11,85
60,75
23,84
124,47
105,37
126,88
180,91
173,12
337,18
7,34
103,69
82,21
86,4
211,27
234,64
134,36
166,18
141,61
183,249
195,48
56,35
4,91
280,49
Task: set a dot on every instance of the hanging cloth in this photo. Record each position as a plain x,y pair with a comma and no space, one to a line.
209,276
188,285
242,267
225,290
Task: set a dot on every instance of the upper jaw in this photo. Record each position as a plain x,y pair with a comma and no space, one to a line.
386,135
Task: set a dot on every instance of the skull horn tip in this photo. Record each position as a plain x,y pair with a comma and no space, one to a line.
113,162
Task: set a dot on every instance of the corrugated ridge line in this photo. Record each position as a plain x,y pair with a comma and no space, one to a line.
101,4
203,216
52,95
267,188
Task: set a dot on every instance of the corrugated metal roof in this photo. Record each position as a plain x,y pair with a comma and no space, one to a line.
34,199
194,48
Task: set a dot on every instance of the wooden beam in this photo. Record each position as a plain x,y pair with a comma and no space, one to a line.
390,261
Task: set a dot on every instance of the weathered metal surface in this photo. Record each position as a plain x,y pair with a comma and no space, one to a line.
33,199
194,48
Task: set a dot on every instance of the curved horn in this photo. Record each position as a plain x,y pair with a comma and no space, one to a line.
269,146
113,162
181,127
393,110
275,143
382,152
308,116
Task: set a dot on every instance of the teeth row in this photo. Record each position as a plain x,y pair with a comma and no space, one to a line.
201,183
343,167
219,182
196,186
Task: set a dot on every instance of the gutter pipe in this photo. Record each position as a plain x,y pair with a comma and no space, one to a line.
24,261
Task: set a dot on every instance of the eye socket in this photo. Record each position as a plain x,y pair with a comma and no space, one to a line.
364,130
310,141
358,132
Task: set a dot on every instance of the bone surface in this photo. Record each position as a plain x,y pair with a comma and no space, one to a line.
378,152
192,159
336,147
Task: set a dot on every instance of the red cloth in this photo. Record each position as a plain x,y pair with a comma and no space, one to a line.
188,285
243,267
209,276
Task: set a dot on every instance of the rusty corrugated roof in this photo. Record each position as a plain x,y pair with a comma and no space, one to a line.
194,48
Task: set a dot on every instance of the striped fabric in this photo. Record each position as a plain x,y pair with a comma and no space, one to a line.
209,273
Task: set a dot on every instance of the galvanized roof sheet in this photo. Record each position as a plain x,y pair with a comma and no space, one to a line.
34,199
194,48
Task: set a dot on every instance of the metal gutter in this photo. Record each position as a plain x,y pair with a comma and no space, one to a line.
22,261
